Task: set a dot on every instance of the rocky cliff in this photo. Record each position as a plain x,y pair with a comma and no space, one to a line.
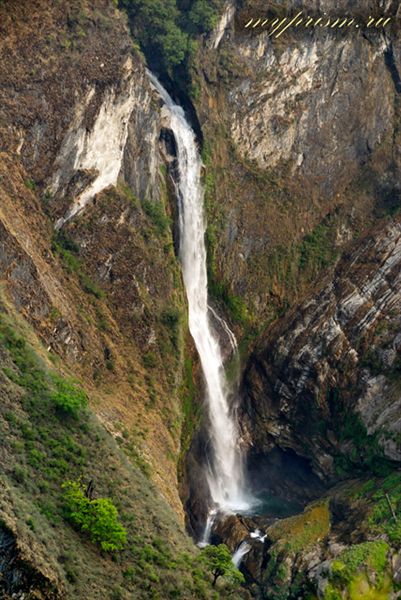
326,387
300,142
338,357
302,156
106,290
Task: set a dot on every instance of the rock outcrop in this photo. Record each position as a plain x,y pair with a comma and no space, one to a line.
334,364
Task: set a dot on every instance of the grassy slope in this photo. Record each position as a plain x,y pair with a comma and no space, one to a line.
41,448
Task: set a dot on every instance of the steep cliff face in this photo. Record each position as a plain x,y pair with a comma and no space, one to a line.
42,554
302,182
324,384
304,263
299,148
332,368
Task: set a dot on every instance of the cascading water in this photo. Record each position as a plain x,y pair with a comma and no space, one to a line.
240,552
225,471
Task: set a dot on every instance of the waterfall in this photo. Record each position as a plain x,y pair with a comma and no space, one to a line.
225,471
257,535
208,528
240,552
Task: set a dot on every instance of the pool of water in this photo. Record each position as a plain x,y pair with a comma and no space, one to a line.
269,505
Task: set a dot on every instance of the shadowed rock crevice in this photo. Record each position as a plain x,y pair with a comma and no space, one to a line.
391,65
283,481
18,578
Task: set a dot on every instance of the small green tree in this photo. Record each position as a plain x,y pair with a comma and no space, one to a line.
104,527
98,517
218,561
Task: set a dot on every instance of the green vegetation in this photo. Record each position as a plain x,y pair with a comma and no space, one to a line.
166,29
67,396
288,269
48,445
31,185
317,250
381,519
171,319
155,24
201,15
300,532
219,562
62,393
219,289
289,537
276,576
47,452
363,570
303,261
98,517
68,251
360,572
235,305
364,454
369,555
190,410
156,213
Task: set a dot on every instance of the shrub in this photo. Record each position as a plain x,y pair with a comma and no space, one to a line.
317,250
150,360
99,517
68,251
155,24
202,17
371,555
156,213
90,287
31,185
67,396
171,319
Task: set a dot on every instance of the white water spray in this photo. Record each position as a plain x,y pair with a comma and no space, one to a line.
208,528
258,535
227,330
225,473
240,552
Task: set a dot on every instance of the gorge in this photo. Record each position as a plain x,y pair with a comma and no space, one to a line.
200,301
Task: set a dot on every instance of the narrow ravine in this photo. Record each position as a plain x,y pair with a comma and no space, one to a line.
225,469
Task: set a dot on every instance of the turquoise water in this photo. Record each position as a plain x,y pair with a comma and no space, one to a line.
270,506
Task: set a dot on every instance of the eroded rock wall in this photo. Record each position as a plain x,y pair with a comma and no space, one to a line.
300,133
334,360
